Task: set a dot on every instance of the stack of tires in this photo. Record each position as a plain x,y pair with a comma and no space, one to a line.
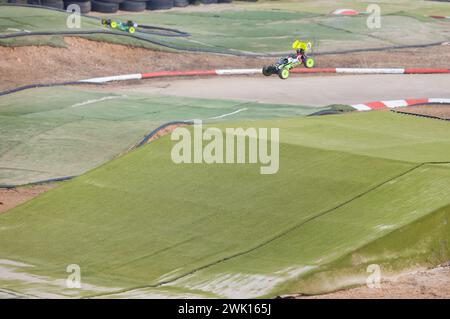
111,6
160,4
56,4
105,6
133,5
84,5
181,3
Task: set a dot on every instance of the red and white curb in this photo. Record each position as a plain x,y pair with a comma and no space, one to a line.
345,12
439,17
398,103
139,76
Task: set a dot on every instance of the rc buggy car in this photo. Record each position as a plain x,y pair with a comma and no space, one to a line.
128,26
296,59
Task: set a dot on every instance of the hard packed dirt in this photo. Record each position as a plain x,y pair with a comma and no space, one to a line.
82,58
437,111
13,197
423,284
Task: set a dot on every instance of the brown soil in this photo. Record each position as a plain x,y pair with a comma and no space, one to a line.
438,111
425,284
10,198
85,58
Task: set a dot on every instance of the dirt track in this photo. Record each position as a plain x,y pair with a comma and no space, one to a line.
424,284
10,198
304,89
84,59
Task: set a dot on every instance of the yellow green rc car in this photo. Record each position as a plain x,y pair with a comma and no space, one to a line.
128,26
294,60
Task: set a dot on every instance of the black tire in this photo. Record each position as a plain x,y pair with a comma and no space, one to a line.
132,6
159,4
104,7
85,6
208,1
111,1
56,4
267,70
181,3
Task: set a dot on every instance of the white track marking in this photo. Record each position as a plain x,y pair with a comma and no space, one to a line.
238,71
395,103
136,76
224,115
370,71
439,100
97,100
361,107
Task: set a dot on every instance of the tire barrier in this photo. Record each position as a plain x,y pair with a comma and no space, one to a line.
180,3
379,105
85,6
160,4
57,4
104,7
132,6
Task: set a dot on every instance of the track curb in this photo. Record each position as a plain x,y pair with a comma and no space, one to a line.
218,72
392,104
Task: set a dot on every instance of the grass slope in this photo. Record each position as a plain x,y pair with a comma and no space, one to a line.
62,131
258,28
187,230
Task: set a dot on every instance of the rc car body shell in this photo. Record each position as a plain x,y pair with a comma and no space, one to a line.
285,64
128,26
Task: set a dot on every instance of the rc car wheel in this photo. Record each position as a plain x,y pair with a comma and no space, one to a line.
266,70
309,62
113,24
283,74
131,29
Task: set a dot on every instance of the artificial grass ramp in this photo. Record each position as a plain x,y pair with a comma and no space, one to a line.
351,190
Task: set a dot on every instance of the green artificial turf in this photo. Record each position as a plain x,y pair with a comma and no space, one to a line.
61,131
141,225
257,28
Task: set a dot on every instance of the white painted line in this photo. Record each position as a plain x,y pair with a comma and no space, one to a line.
238,71
395,103
361,107
370,71
112,97
136,76
439,100
224,115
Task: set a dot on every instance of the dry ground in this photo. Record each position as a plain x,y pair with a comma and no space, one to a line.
10,198
438,111
84,59
424,284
